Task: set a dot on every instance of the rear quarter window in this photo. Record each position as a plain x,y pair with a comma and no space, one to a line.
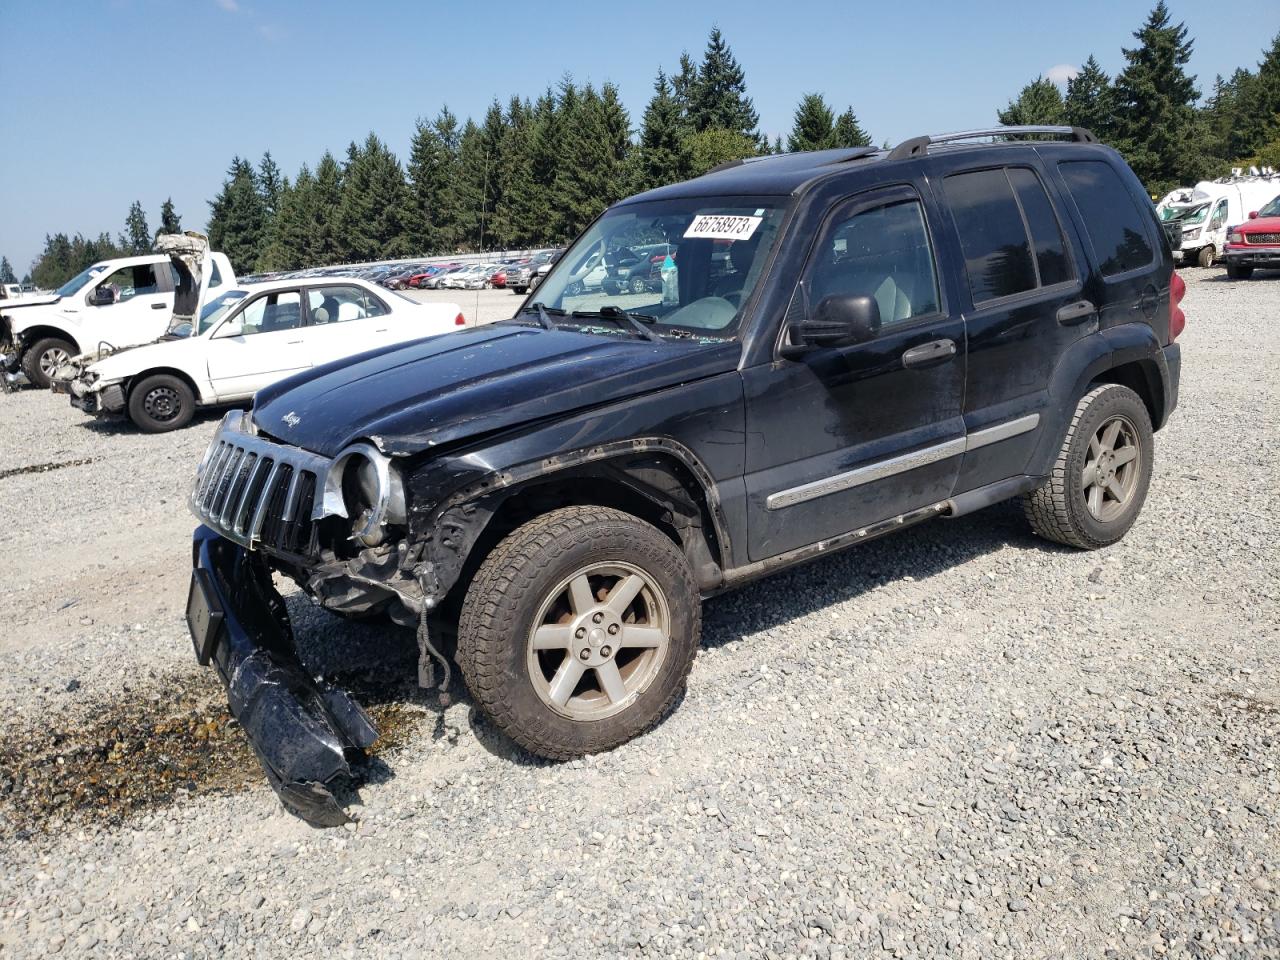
1113,221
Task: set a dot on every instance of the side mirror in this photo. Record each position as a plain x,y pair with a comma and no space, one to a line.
1253,214
102,297
836,322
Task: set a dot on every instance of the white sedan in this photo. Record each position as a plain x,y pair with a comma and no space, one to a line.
247,338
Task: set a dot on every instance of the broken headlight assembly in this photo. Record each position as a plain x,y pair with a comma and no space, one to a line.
365,487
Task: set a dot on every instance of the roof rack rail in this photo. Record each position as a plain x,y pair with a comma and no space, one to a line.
919,146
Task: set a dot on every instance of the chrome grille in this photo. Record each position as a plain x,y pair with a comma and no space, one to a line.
1262,238
260,493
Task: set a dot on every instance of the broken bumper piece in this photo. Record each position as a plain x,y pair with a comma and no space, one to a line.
303,731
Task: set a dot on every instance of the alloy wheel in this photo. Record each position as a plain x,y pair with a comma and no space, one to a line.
52,359
598,641
1112,468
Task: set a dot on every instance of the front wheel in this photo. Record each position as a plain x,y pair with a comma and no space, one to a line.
1206,255
44,358
1239,271
1100,478
578,631
161,403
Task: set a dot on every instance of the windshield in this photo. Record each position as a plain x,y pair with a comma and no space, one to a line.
1272,209
213,311
689,264
80,279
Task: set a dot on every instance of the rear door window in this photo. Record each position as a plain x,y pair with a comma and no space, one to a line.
1010,236
1112,219
341,303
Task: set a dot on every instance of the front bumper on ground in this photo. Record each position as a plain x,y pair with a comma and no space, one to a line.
303,731
108,400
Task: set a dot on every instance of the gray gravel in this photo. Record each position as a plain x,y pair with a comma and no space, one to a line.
958,742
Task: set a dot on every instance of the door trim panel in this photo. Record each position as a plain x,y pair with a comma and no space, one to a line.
882,469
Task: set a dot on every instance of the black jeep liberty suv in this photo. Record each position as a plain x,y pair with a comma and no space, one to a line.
837,345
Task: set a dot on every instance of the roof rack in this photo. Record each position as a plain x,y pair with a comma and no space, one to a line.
919,146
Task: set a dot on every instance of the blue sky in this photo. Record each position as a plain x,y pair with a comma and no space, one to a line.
92,122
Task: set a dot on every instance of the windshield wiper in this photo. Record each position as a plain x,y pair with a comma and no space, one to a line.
636,321
544,314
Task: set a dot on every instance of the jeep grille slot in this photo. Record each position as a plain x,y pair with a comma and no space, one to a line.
259,493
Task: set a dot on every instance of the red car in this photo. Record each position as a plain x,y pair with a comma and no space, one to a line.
1255,244
498,278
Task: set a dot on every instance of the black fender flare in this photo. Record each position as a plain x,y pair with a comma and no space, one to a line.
449,531
1085,361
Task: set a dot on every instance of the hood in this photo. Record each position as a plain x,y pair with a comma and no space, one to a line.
1260,225
410,398
25,313
126,361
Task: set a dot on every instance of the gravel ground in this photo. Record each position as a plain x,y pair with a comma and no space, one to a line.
958,741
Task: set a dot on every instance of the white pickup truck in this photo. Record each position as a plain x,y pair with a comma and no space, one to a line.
114,303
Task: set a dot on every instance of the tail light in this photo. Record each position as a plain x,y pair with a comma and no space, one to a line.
1177,319
461,321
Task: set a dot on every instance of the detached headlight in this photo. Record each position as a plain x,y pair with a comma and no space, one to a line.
1235,237
365,487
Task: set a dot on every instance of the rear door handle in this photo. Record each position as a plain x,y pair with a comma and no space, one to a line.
929,354
1078,312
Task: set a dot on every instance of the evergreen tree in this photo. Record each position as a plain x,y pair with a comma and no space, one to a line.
324,246
1090,102
6,271
237,220
290,242
720,98
370,223
471,185
170,222
1158,129
848,132
137,235
684,87
662,155
1255,119
1039,102
710,148
596,143
270,184
515,178
432,214
535,208
813,127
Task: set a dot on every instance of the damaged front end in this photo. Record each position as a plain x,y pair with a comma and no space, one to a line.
303,731
322,522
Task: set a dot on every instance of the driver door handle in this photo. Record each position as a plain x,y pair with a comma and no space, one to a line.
158,306
929,354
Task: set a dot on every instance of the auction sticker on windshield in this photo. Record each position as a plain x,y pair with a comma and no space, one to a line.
712,226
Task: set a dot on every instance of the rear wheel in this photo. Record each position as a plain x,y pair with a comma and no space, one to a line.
44,357
161,403
1100,478
1206,255
638,285
578,631
1239,271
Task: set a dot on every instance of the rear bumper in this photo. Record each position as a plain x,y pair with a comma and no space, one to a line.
303,731
1172,375
1247,256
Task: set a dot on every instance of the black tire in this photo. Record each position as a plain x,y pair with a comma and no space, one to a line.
1205,257
37,360
534,281
160,403
520,577
1239,271
639,285
1058,510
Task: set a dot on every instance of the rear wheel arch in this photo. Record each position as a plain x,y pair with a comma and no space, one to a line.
1143,378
